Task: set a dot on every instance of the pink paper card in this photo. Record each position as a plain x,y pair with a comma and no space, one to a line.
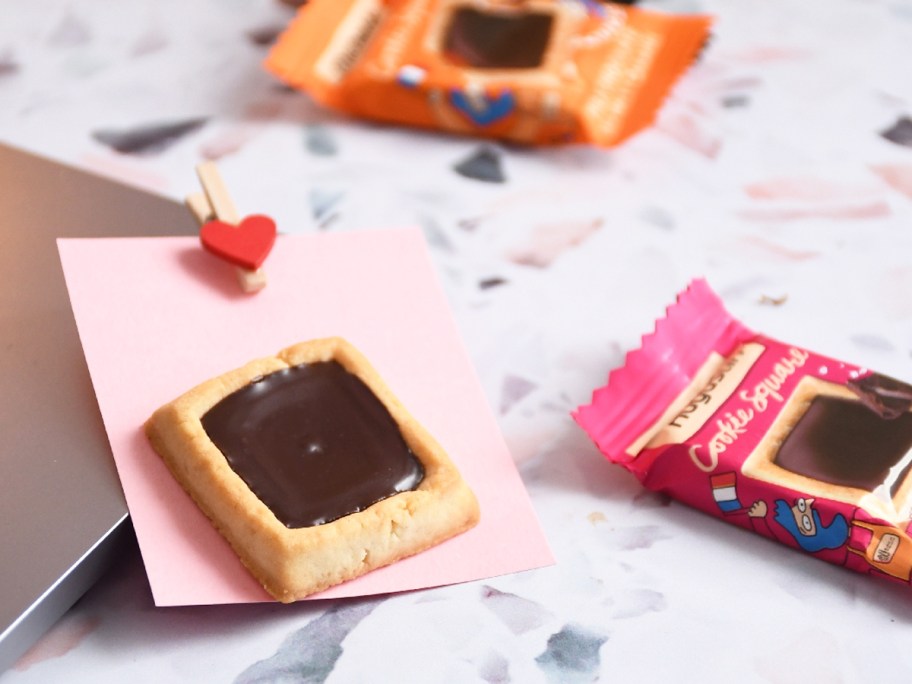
157,316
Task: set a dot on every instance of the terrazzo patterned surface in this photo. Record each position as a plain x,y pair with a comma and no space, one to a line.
780,169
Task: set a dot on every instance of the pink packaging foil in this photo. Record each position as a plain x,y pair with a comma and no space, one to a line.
812,452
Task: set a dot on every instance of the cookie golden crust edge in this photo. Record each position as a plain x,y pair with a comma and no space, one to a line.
292,563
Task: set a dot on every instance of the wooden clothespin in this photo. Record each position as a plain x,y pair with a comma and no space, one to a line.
244,243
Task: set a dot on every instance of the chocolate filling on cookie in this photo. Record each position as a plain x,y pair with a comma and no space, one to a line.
483,40
843,442
313,443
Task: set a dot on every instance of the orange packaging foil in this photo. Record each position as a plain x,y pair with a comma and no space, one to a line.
804,449
529,71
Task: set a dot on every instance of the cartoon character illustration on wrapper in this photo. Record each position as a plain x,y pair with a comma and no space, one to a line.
802,521
870,545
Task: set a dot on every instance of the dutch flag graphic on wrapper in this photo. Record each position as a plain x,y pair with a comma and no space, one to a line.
725,492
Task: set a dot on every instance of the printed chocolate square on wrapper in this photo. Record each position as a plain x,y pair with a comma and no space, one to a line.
810,451
311,468
539,71
827,443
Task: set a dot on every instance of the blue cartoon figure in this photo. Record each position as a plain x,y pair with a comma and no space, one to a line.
802,521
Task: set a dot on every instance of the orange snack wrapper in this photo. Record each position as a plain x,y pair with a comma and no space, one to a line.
528,71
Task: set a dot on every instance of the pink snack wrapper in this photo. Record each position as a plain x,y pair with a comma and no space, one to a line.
812,452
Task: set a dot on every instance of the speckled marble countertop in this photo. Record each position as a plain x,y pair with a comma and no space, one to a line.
781,167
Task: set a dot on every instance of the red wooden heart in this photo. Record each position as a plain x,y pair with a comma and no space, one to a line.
246,245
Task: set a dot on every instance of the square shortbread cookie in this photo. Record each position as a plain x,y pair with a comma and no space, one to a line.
311,468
